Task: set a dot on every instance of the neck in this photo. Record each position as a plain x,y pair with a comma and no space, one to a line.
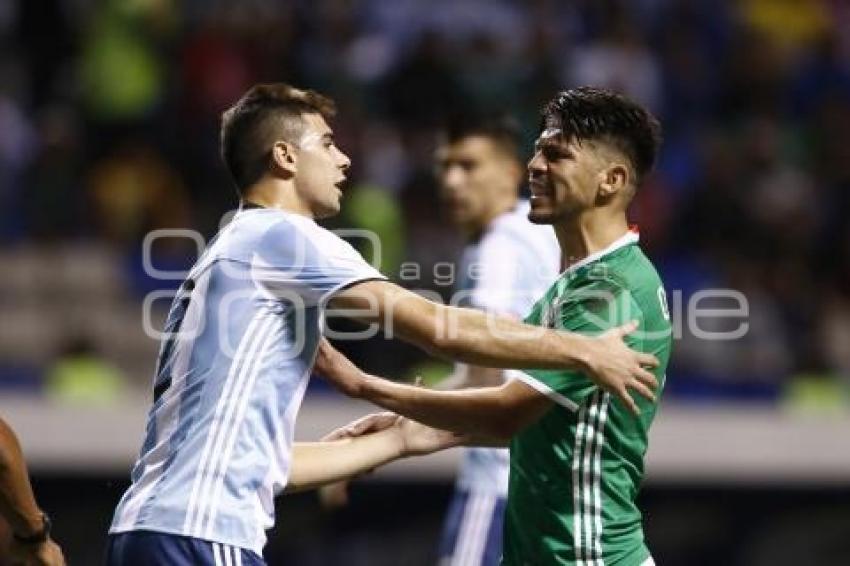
276,193
588,233
500,207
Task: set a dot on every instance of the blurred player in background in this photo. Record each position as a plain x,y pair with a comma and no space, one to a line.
31,543
243,330
507,264
577,454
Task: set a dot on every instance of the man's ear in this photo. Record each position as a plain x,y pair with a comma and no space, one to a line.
613,179
283,158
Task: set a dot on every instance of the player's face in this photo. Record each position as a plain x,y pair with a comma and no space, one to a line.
321,168
563,176
473,173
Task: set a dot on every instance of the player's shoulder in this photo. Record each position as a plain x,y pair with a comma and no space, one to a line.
278,236
638,271
294,229
627,278
621,275
625,268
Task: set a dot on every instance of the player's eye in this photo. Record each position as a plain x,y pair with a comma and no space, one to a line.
552,153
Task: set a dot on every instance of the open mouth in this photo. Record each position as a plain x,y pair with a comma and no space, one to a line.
539,190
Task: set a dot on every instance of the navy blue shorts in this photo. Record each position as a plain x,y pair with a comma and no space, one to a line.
148,548
472,533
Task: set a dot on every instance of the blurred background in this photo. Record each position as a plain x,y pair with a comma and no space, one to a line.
109,116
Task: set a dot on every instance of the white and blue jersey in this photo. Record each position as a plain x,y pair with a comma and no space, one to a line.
505,272
240,341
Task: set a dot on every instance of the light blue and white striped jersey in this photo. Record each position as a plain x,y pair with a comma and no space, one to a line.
504,272
240,341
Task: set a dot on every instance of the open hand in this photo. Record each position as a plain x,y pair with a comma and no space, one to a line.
335,495
364,425
419,439
616,368
415,438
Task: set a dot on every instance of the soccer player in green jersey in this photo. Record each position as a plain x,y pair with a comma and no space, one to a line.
576,452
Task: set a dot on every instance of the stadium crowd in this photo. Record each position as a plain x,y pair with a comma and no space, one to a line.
109,113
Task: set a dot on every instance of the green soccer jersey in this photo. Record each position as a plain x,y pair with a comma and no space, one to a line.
575,473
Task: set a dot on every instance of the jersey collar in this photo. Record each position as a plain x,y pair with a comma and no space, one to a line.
248,205
630,237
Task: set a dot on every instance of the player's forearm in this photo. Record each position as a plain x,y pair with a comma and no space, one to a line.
471,376
461,334
475,337
478,411
17,503
479,376
315,464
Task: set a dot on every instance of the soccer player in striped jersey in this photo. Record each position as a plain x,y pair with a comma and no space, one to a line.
577,454
242,335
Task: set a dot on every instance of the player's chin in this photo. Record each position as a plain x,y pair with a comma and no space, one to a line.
328,209
540,214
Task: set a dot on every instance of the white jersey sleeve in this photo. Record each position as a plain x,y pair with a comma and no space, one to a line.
497,287
514,264
506,271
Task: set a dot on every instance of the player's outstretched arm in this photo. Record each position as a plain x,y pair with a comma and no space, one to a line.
492,413
362,446
31,543
478,338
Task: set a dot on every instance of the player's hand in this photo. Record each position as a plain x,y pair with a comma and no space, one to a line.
419,439
337,369
47,553
364,425
618,369
335,495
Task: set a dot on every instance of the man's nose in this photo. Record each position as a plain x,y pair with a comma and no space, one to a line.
344,161
536,165
453,178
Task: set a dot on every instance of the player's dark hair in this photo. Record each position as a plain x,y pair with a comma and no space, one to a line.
265,114
589,113
502,129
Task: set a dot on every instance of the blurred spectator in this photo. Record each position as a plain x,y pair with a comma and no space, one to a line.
123,77
794,24
422,87
108,129
134,191
80,376
620,59
17,146
54,202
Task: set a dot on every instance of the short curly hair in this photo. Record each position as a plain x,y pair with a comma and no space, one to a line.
265,114
589,113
